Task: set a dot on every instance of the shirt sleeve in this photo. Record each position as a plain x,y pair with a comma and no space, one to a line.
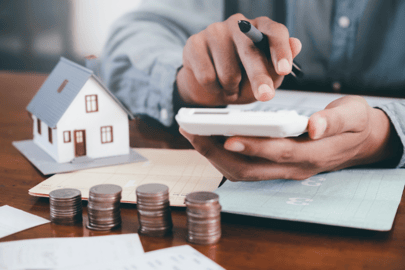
396,112
140,59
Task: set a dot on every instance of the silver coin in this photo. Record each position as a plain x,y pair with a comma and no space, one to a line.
64,193
105,190
152,190
202,197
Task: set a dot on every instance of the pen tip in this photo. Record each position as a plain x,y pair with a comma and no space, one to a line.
244,26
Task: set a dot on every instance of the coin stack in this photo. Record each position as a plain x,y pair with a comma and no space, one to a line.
203,217
104,207
66,206
153,210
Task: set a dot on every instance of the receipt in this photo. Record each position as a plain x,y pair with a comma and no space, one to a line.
13,220
69,253
181,258
178,258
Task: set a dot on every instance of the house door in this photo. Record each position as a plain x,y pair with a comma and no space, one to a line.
80,142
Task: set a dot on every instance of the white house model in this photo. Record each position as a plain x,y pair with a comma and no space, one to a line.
76,115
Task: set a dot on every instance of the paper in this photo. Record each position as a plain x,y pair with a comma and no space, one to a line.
181,258
13,220
305,103
357,198
69,253
178,258
183,171
112,252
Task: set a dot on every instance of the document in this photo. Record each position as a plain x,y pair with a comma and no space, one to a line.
183,171
112,252
13,220
69,253
357,198
178,258
181,257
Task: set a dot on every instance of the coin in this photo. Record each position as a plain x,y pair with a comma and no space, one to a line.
65,206
154,210
103,208
203,217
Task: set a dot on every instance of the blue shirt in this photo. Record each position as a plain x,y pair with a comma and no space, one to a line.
350,46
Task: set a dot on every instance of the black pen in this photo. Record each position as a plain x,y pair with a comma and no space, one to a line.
262,42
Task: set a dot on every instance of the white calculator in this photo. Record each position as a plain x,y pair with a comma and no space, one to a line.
231,122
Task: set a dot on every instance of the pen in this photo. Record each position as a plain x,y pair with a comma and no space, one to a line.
262,42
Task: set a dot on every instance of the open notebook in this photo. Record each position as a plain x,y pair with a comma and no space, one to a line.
183,171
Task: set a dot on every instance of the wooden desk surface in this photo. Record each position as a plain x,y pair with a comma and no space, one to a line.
246,243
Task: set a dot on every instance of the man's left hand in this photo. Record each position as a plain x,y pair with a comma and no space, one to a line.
348,132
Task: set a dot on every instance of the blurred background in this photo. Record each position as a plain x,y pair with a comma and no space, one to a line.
35,33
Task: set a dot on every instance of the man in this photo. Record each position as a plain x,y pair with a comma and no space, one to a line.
170,54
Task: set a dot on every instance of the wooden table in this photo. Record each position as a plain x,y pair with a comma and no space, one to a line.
246,243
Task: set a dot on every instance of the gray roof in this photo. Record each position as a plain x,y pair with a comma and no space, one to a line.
49,105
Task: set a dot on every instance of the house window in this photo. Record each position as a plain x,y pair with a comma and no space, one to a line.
66,137
79,136
39,125
50,134
107,134
65,82
91,103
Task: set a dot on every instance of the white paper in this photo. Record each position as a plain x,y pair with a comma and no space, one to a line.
177,258
180,258
13,220
69,253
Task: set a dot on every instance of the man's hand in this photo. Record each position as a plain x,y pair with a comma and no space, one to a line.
222,66
348,132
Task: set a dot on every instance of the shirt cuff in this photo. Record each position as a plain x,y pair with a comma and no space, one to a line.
391,110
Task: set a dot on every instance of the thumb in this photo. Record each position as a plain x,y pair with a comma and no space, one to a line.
347,114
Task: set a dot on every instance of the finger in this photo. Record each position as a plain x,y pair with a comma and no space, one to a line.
225,58
224,161
236,167
347,114
280,150
196,57
296,46
279,42
192,92
255,64
304,152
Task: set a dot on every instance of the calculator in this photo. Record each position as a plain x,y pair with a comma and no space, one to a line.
234,122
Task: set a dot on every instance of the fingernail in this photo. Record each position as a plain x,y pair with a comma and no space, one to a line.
284,66
321,127
264,92
234,146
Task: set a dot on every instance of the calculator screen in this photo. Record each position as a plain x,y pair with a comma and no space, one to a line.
199,112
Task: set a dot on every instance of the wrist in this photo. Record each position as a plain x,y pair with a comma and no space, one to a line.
181,85
179,101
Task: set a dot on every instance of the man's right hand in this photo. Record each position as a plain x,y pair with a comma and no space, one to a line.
221,65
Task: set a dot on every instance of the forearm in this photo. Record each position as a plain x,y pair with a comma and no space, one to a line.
143,53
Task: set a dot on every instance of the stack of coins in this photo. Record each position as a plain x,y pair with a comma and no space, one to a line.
66,206
153,210
104,207
203,217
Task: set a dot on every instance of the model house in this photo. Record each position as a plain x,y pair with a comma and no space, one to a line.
75,115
